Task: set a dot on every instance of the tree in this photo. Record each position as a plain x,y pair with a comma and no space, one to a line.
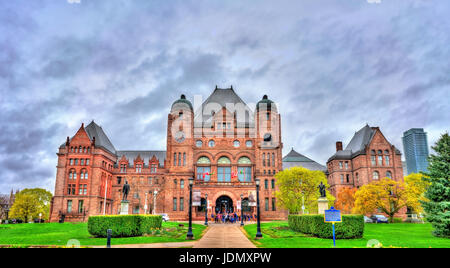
299,185
417,185
345,200
29,203
437,207
387,195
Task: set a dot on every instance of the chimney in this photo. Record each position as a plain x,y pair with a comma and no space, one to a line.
338,146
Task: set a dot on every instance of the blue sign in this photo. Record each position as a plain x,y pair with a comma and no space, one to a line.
332,215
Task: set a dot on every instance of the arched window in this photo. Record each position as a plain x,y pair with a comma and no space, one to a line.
380,160
376,175
181,184
184,159
71,149
224,169
89,150
386,151
84,149
203,168
264,159
86,175
273,159
386,160
175,183
82,175
244,169
179,159
389,174
174,159
70,175
268,159
79,150
74,175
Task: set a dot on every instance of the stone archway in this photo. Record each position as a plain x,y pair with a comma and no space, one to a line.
224,204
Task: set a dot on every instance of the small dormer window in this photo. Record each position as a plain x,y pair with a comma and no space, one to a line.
180,115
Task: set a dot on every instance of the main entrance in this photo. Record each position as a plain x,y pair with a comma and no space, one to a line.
224,204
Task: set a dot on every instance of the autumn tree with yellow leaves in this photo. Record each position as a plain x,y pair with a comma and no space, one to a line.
389,196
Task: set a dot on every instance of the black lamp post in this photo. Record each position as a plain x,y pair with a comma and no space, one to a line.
206,210
190,235
242,211
258,230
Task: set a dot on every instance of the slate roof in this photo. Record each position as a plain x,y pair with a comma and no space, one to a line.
145,156
295,159
220,96
357,144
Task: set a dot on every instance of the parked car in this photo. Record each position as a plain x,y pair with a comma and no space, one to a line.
367,220
165,217
379,219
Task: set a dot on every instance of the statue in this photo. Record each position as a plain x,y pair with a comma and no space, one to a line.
322,190
125,191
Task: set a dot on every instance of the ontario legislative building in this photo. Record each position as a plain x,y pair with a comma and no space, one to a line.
224,145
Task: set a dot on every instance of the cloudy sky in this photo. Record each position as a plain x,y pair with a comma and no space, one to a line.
332,66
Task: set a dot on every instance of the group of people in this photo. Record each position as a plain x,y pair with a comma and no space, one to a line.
223,217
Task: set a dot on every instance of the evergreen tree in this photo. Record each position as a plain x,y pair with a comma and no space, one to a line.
438,193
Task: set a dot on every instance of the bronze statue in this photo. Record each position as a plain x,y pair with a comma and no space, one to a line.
322,191
125,191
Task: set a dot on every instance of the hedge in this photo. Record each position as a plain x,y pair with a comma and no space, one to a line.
352,226
123,225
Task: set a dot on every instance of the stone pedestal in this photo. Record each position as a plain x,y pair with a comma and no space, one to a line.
323,204
124,207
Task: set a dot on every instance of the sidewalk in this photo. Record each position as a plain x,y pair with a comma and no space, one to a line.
224,236
155,245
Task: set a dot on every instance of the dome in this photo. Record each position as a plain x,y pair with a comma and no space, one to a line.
182,103
266,104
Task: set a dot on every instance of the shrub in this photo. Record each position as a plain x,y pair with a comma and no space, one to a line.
123,225
398,220
352,226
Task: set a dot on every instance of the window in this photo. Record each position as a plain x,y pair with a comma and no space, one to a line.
76,161
138,168
376,175
81,175
357,177
346,165
249,143
175,183
82,190
79,150
269,171
273,160
340,165
80,206
181,203
69,206
82,162
267,116
380,160
123,168
70,175
266,184
236,144
71,162
386,159
174,204
181,186
342,178
174,159
153,168
389,174
264,159
179,159
348,178
74,175
150,180
211,143
180,115
266,203
273,184
224,174
184,159
71,149
380,152
71,189
87,162
268,159
203,173
373,160
274,207
199,143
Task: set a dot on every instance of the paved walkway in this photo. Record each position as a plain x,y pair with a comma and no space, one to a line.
224,236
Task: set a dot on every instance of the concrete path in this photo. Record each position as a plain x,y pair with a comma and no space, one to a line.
224,236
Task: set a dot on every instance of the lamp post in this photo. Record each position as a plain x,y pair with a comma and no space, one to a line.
154,201
145,206
206,210
190,235
258,230
303,198
242,211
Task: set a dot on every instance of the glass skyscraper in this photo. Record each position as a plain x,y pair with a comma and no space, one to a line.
415,146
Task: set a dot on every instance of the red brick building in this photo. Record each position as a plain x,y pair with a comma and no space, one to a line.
224,145
369,156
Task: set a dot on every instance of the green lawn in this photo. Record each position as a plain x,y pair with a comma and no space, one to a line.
278,235
59,234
